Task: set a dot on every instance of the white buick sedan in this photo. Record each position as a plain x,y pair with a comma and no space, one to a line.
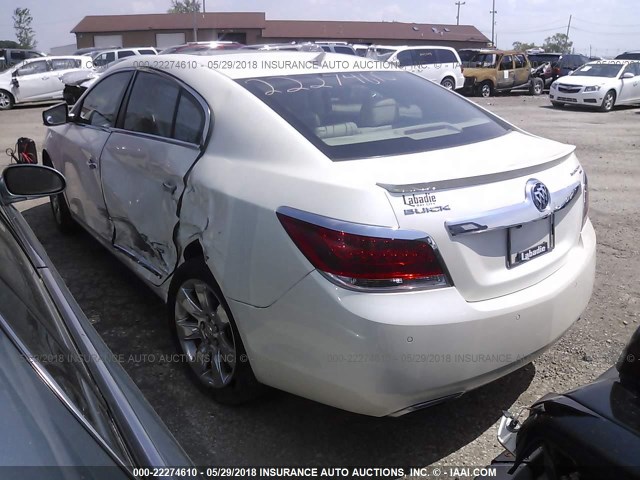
602,84
327,226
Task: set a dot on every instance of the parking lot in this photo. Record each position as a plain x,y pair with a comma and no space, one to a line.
282,429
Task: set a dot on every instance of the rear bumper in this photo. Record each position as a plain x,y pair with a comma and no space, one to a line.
382,354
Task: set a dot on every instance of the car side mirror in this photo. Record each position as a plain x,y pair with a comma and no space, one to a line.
14,74
24,182
628,75
56,115
628,364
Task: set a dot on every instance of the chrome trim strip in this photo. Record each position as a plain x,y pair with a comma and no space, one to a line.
138,260
512,215
393,233
468,181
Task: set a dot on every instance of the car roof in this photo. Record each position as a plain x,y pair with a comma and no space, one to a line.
498,52
269,63
410,47
56,57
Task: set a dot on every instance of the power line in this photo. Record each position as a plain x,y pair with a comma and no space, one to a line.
552,29
600,23
604,33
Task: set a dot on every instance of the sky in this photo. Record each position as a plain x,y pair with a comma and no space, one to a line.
597,28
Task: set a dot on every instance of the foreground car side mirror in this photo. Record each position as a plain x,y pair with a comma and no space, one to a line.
24,182
628,364
56,115
628,75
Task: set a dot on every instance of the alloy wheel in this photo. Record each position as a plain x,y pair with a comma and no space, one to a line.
205,333
607,103
5,101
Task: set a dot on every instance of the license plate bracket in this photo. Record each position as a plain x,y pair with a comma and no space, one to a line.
529,241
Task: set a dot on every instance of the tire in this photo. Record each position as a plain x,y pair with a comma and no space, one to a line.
557,104
448,83
6,100
61,214
485,89
205,332
59,208
537,86
608,101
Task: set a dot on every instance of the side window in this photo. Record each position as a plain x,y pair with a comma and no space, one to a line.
447,56
506,63
425,56
147,52
189,119
104,59
405,58
126,53
520,61
65,63
33,68
100,107
632,68
144,112
345,50
17,56
326,48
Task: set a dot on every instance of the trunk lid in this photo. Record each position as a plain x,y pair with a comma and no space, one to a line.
476,202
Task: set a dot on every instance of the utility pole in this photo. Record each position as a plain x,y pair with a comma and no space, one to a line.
195,26
204,6
458,15
493,22
568,27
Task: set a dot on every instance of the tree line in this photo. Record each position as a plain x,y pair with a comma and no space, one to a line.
558,43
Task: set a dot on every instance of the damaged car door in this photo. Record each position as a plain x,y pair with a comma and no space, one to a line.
78,146
144,165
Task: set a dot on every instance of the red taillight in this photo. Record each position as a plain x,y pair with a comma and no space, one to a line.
365,261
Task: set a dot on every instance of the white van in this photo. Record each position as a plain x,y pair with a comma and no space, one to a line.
438,64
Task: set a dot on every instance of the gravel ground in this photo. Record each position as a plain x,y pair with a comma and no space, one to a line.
287,430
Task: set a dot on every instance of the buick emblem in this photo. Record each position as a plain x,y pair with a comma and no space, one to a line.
539,194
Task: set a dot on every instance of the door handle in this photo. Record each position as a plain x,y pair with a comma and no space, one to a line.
169,186
91,163
45,78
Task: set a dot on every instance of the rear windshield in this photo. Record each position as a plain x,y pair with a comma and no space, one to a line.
380,54
372,114
537,60
483,60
